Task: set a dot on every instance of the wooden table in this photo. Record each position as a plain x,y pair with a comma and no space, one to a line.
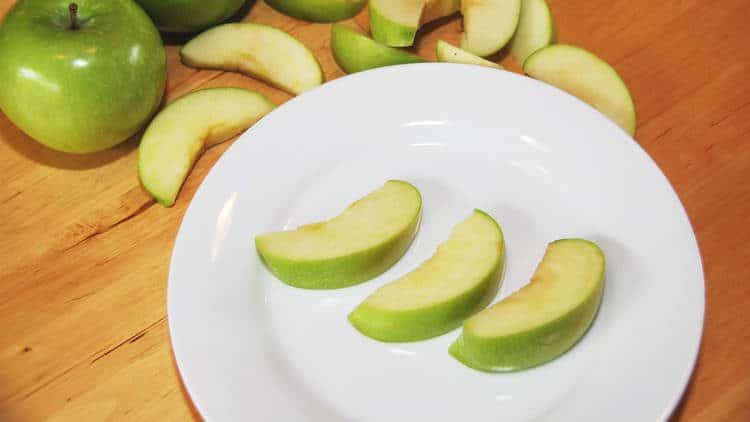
85,251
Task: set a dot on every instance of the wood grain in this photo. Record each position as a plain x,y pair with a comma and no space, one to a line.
85,251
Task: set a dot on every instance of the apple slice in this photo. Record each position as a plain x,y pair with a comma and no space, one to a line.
451,54
488,24
357,245
395,22
318,10
536,29
586,76
439,294
259,51
180,132
542,320
355,52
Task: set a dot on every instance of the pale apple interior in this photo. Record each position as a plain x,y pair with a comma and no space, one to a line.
535,29
586,76
474,249
378,217
451,54
179,133
488,24
568,274
260,51
406,13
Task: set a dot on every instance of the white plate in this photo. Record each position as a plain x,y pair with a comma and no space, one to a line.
544,164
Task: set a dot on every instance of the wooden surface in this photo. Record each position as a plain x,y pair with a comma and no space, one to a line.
85,252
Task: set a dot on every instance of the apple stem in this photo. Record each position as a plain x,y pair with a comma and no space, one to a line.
73,9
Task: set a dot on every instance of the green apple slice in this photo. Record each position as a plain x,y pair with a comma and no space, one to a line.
395,22
355,52
586,76
536,29
357,245
256,50
542,320
451,54
439,294
180,132
318,10
488,24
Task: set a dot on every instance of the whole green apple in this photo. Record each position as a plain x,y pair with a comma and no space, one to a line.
189,15
80,77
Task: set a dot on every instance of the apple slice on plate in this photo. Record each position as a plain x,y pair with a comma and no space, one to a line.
355,52
180,132
586,76
536,29
439,294
395,22
452,54
318,10
355,246
542,320
256,50
488,24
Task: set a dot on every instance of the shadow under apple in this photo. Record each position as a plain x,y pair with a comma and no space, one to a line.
34,151
181,38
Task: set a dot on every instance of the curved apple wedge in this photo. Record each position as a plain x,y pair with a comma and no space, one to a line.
180,132
586,76
396,22
542,320
318,10
451,54
488,24
536,29
357,245
355,52
259,51
438,295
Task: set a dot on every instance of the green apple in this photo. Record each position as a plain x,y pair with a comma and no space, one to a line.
355,52
451,54
318,10
395,22
542,320
189,15
586,76
536,29
260,51
488,24
180,132
353,247
80,77
439,294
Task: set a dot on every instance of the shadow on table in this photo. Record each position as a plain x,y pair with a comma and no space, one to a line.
176,38
34,151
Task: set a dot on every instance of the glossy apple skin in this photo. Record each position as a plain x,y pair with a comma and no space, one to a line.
318,10
189,15
80,90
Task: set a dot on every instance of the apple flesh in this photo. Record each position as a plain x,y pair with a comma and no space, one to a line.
258,51
84,87
587,77
488,25
318,10
395,22
180,132
189,15
536,29
355,52
451,54
355,246
438,295
542,320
